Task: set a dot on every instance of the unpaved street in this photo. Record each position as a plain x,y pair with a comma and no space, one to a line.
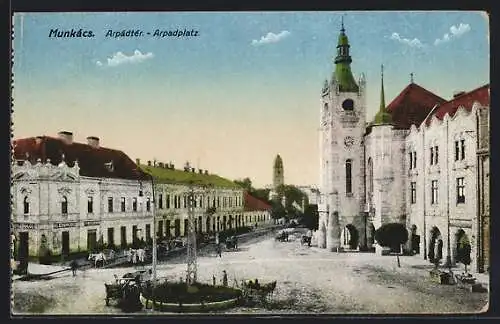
310,280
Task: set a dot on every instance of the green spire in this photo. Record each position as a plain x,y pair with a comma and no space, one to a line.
343,74
382,117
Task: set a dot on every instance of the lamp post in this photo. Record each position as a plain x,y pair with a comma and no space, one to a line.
153,209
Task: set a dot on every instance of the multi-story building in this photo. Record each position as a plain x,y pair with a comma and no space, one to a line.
422,162
218,203
68,197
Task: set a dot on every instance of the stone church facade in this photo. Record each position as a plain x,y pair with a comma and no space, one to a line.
422,162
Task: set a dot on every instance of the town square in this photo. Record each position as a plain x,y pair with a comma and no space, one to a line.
293,163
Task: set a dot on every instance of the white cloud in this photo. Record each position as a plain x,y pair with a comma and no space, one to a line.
119,58
455,32
271,38
410,42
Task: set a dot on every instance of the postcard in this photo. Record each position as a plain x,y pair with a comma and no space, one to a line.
258,163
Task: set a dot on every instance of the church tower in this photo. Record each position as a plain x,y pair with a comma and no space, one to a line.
278,177
342,127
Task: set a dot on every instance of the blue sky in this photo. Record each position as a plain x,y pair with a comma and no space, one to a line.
232,98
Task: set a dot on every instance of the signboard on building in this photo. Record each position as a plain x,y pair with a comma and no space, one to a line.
24,226
65,225
91,223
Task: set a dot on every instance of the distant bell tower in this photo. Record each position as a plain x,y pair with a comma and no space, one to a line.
278,176
342,127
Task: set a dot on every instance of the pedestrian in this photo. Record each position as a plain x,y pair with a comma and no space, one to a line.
219,250
213,280
224,278
74,266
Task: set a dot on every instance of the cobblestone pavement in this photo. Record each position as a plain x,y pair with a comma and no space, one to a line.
310,280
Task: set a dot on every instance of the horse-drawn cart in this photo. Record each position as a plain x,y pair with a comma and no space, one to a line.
253,291
125,291
232,243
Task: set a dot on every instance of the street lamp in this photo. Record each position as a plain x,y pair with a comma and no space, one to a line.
154,242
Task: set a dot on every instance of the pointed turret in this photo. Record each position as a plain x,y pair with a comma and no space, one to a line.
382,117
343,75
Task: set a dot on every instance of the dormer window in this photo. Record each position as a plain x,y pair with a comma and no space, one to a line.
109,166
348,105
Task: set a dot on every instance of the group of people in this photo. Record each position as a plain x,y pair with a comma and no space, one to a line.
136,256
224,279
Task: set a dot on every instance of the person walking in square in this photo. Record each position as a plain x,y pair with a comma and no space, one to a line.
74,267
224,278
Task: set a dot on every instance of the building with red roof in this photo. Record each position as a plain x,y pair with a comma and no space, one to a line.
423,162
256,212
71,197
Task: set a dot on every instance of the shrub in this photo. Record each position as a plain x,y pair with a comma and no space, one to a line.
391,235
463,252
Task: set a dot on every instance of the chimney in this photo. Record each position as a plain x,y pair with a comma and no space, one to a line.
66,137
149,163
93,141
458,93
138,161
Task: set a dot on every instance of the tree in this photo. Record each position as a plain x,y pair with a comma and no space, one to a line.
392,235
463,251
311,217
277,210
245,183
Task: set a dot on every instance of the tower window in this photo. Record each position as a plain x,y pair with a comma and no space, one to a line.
90,204
460,191
413,188
434,192
348,104
64,206
26,205
348,176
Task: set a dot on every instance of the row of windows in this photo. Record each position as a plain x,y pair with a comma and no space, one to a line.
198,202
64,205
434,154
90,204
165,228
434,191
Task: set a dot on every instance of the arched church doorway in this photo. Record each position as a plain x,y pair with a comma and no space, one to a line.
414,240
462,249
435,245
349,237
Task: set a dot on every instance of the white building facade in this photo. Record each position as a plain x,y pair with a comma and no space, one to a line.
70,198
417,164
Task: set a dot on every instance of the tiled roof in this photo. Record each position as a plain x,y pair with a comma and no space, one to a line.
466,100
91,160
165,175
412,105
254,204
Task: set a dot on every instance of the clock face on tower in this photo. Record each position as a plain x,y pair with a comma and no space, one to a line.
348,141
